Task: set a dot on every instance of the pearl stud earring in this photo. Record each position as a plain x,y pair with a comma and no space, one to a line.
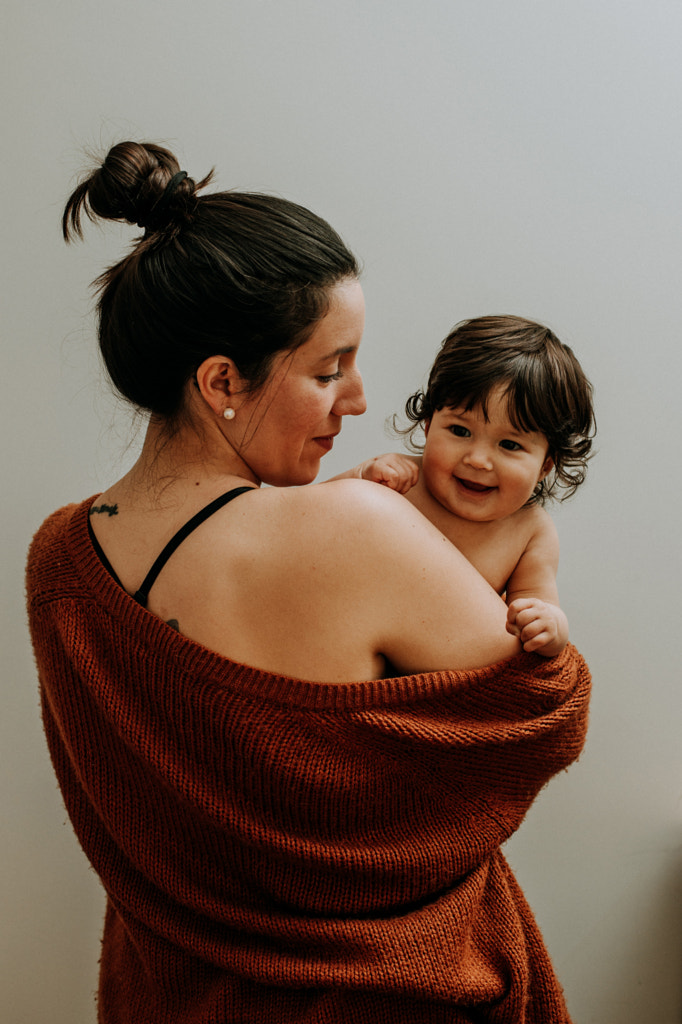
229,413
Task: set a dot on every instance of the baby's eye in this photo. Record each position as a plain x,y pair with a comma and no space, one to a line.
458,430
510,446
330,377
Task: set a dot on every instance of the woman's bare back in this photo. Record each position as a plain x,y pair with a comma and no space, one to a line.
334,582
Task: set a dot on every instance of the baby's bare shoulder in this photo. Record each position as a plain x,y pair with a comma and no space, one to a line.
533,527
534,518
538,532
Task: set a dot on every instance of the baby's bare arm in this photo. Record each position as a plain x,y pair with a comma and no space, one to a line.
534,615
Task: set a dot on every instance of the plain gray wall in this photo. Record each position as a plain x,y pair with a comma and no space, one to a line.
481,157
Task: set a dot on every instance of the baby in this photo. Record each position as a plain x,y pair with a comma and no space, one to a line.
508,423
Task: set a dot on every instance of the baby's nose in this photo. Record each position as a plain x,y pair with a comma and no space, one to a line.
478,457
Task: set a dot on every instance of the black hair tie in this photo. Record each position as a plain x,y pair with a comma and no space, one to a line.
151,221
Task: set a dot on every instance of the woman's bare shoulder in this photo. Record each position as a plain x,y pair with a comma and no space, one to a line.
365,535
342,509
370,577
350,493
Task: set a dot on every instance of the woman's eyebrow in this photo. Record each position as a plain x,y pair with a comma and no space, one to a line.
341,351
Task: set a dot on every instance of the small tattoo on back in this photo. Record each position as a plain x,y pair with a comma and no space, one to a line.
112,510
174,624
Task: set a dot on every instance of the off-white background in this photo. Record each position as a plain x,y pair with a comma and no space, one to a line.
481,156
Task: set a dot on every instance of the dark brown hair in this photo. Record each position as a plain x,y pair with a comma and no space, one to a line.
547,391
233,273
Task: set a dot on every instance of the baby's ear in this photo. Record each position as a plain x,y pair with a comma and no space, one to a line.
547,467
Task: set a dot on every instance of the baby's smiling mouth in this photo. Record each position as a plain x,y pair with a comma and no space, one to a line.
471,485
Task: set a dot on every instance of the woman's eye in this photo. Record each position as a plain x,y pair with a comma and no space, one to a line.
510,446
458,430
332,376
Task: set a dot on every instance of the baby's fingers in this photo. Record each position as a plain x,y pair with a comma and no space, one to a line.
521,604
395,471
512,626
536,643
402,475
387,476
540,626
538,632
519,613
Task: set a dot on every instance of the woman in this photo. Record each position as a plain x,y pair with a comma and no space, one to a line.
277,740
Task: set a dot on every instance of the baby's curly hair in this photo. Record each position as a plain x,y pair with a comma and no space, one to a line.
547,391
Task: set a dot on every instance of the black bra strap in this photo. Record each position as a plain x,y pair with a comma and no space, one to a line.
100,554
142,594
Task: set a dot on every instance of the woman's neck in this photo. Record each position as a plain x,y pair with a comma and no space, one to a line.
173,463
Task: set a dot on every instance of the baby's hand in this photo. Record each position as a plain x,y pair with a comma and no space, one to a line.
540,626
399,472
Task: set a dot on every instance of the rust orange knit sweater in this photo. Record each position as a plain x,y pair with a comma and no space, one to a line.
280,851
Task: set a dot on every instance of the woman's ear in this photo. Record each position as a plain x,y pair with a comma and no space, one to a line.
219,383
427,424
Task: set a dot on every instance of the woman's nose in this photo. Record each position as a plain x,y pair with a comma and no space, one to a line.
351,401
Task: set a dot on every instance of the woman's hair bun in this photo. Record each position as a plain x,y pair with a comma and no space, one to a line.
138,182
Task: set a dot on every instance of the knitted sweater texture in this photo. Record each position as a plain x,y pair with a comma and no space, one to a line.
278,851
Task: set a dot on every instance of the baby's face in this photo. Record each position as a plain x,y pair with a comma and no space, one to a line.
481,469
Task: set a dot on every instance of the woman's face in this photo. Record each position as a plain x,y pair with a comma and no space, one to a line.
283,430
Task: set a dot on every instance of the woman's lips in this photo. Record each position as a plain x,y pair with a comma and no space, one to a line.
325,442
